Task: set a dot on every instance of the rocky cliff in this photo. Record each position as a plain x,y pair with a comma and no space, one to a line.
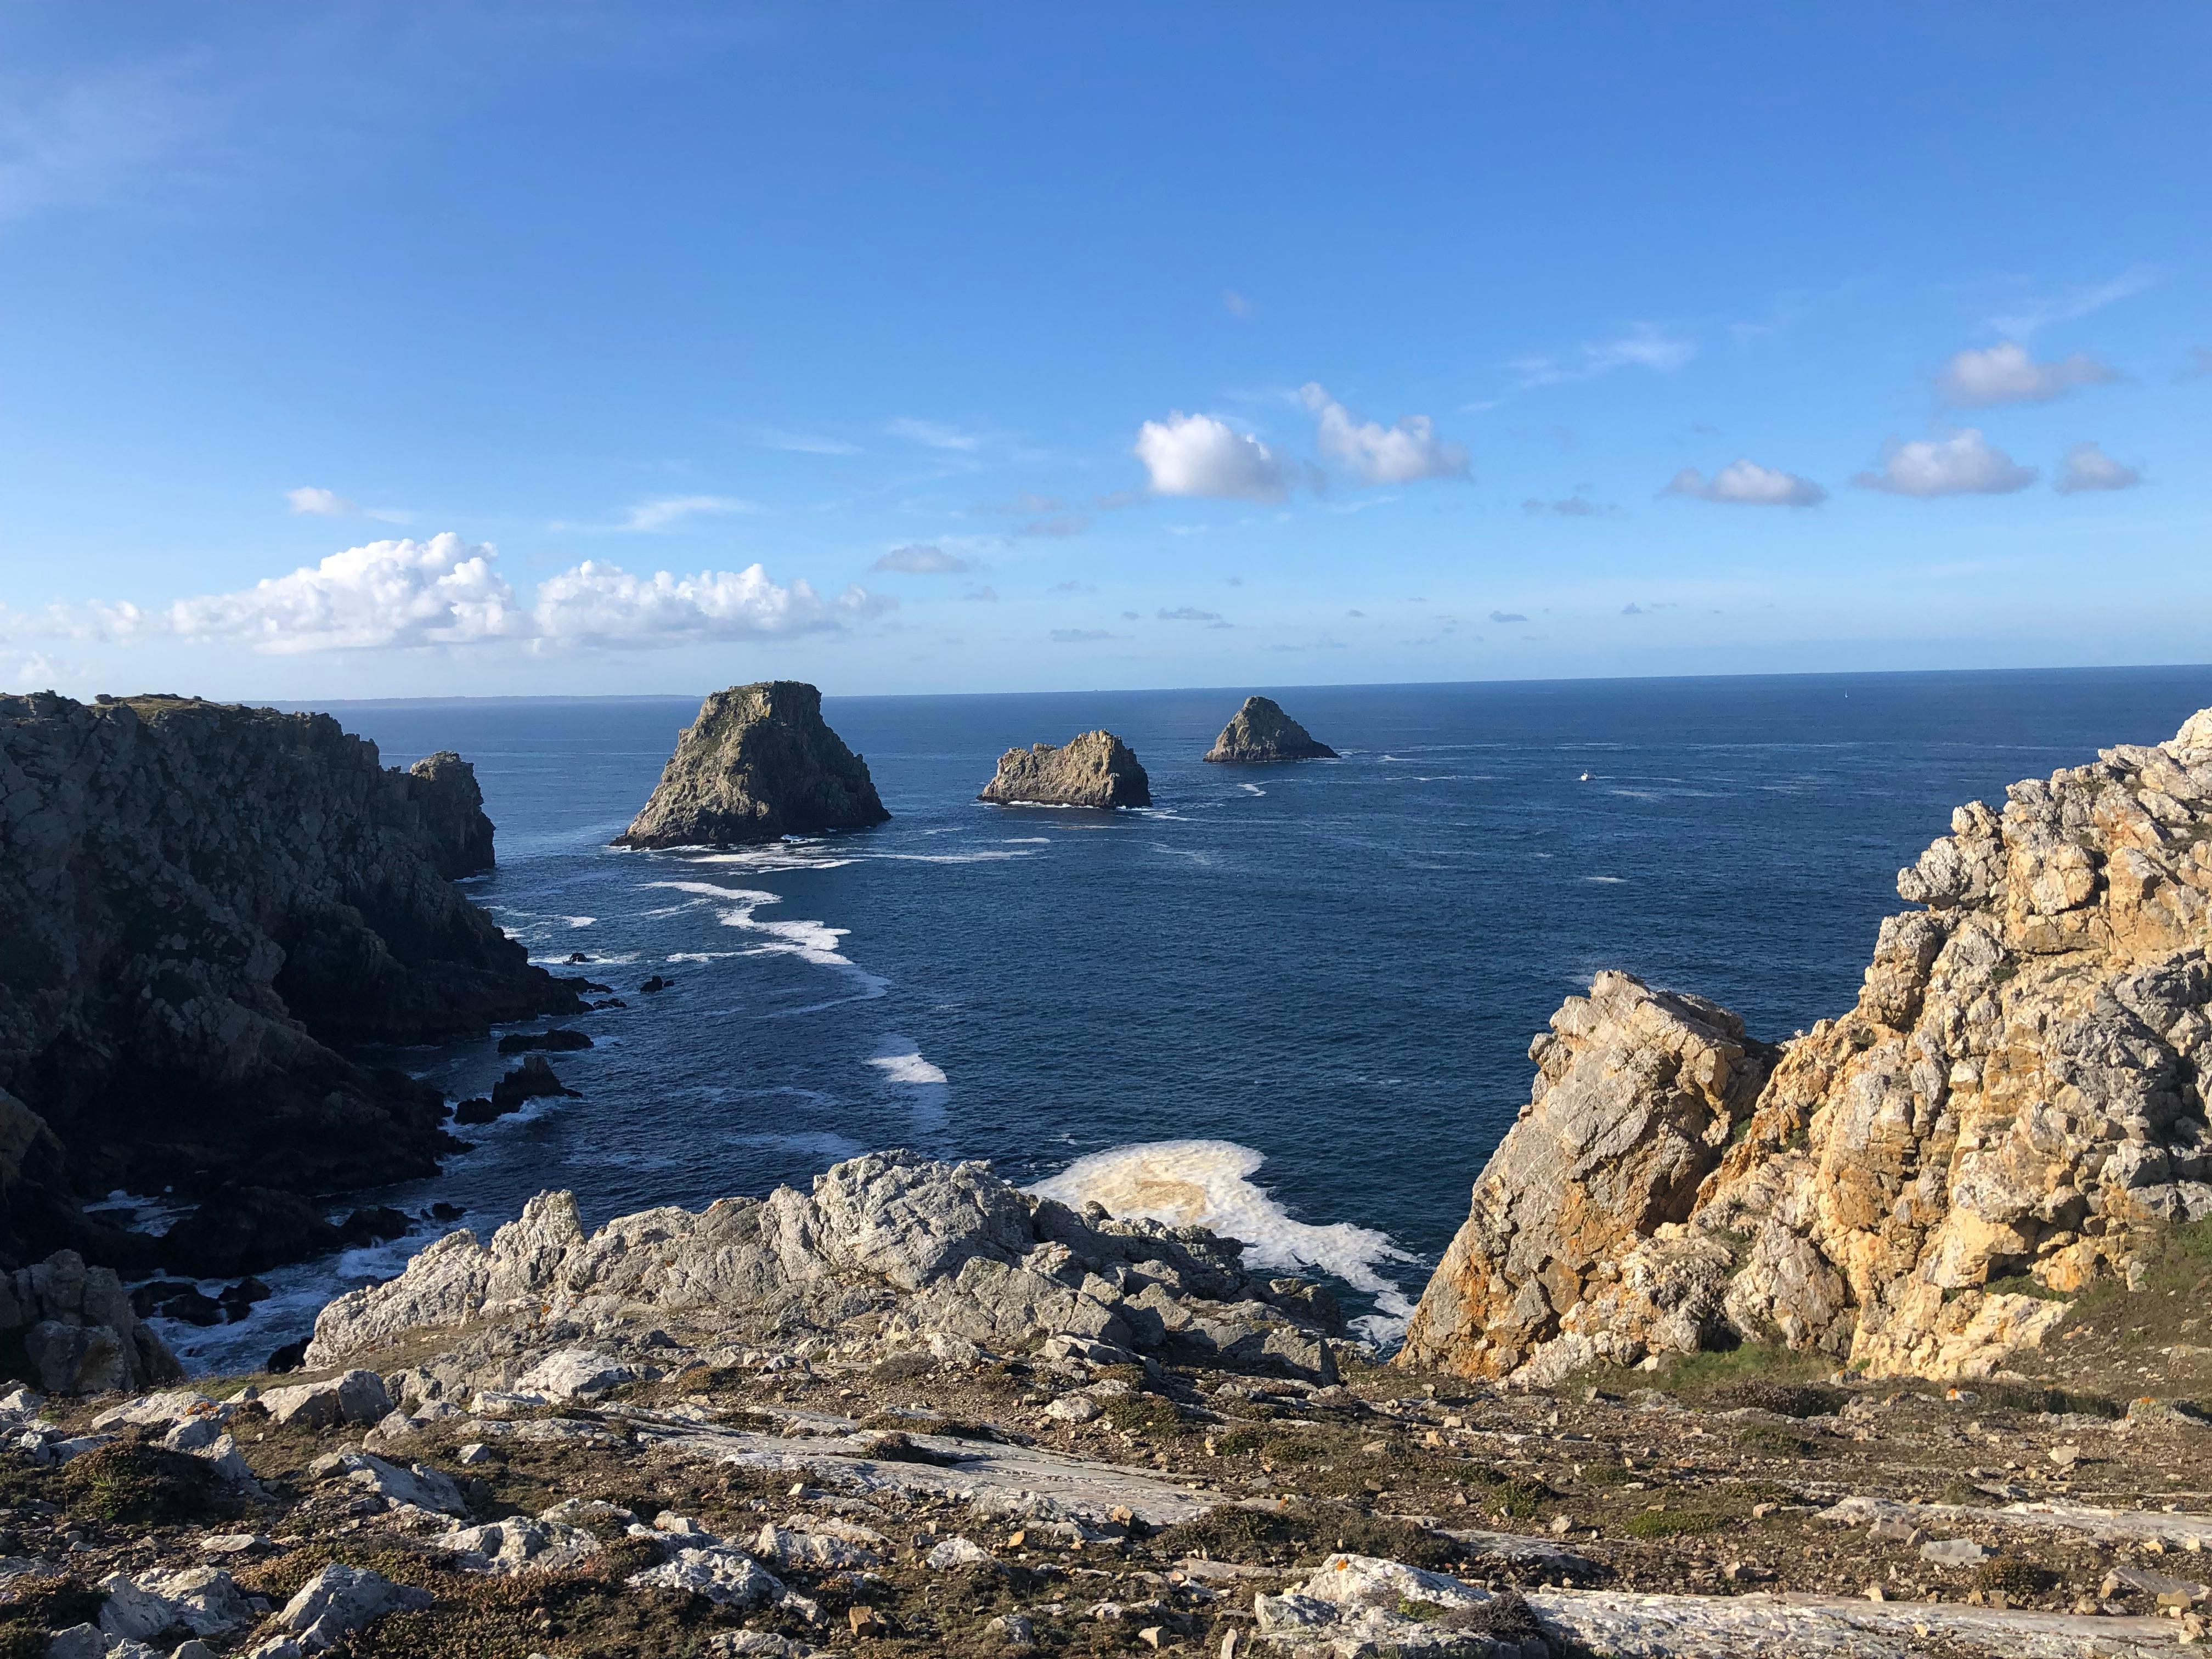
1260,731
757,764
2013,1110
1095,768
200,906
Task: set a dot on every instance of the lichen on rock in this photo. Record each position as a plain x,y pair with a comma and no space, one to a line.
1260,731
759,763
1094,768
2014,1111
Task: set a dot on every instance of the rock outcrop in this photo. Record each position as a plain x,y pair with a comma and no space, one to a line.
889,1252
2014,1110
200,905
78,1330
1095,768
757,764
1260,731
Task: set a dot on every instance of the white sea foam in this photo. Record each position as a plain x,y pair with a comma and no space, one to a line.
1208,1183
1251,788
908,1067
815,942
1028,841
1609,881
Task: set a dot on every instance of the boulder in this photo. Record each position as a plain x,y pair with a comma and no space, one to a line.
416,1487
759,763
354,1396
1094,768
516,1545
725,1577
1260,731
78,1330
340,1600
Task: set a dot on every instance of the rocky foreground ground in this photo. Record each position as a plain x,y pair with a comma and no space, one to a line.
771,1428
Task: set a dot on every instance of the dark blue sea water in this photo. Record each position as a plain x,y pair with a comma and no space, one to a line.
1316,981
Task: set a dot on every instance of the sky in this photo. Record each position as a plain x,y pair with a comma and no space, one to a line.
356,351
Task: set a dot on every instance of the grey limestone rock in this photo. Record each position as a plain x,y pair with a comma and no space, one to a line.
341,1600
1260,731
1094,768
759,763
890,1252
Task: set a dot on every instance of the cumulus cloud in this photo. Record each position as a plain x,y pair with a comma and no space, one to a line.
603,605
321,504
1746,483
439,591
1079,636
917,560
1507,617
2087,467
1377,454
1965,464
2005,373
1202,455
443,590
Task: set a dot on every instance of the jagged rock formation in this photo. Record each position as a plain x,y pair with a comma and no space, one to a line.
889,1251
757,764
1095,768
78,1330
1260,731
198,904
2013,1110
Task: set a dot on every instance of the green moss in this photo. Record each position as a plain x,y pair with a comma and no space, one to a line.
1673,1523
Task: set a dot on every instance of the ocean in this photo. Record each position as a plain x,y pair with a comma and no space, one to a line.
1290,1001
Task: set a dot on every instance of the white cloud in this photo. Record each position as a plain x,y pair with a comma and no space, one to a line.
670,511
1377,454
2065,307
1201,455
1235,303
1746,483
2087,467
321,503
443,590
801,443
1965,464
2005,373
603,605
917,560
1644,346
447,592
935,435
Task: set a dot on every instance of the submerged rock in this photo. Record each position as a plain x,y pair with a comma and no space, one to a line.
759,763
2020,1090
1260,731
1094,769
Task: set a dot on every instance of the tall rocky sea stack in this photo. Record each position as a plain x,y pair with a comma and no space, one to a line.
2014,1110
201,906
1260,731
759,763
1094,769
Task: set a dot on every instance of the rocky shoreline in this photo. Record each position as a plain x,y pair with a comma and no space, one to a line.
1883,1340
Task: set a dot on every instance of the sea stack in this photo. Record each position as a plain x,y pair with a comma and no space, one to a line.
1260,731
757,764
1095,769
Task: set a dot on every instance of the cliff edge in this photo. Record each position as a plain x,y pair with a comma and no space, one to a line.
1260,731
200,905
757,764
2014,1111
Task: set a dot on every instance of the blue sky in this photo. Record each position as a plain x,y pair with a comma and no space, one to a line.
353,352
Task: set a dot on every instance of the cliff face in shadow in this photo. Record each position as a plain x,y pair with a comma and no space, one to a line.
200,906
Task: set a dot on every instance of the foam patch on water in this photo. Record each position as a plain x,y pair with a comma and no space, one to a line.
1251,788
1209,1183
814,942
909,1067
901,1062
